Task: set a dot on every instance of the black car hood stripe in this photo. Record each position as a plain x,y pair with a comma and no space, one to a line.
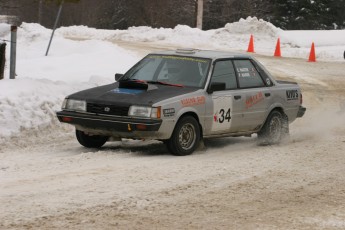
113,95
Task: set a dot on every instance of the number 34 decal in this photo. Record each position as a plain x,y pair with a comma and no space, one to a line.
222,116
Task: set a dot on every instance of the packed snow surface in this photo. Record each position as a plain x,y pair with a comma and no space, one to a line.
82,57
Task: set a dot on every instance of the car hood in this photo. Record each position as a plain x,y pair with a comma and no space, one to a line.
112,94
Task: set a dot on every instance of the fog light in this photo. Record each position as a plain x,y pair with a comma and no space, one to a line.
141,127
67,119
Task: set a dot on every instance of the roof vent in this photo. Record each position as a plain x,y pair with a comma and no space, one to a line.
186,51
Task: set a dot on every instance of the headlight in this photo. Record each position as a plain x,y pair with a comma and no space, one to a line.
144,111
156,112
76,105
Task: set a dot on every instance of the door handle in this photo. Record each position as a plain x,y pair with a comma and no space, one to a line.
237,97
267,94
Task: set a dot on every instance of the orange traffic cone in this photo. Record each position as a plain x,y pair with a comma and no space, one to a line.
277,53
312,57
251,45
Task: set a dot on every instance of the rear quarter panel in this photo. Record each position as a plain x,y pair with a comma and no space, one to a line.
287,97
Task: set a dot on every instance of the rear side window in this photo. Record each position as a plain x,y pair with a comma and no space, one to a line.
224,72
248,76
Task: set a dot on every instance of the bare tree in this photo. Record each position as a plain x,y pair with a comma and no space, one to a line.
121,14
7,6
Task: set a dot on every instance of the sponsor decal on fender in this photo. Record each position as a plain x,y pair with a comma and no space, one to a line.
292,95
169,112
193,101
252,100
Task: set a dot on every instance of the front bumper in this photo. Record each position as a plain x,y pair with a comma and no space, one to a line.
111,125
301,111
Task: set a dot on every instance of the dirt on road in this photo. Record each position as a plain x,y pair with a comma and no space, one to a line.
48,181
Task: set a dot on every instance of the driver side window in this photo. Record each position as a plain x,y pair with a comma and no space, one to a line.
224,72
147,71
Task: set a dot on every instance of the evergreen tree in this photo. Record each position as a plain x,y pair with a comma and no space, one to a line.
337,11
308,14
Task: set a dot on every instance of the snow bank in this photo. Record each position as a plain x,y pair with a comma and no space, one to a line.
188,35
68,60
253,26
4,29
330,44
30,101
233,36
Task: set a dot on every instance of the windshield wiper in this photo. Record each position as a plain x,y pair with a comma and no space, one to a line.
164,83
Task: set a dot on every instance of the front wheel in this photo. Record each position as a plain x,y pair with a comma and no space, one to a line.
274,130
90,141
185,138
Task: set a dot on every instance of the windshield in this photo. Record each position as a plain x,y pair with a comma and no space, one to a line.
169,69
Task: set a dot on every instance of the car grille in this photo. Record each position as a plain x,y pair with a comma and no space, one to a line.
108,109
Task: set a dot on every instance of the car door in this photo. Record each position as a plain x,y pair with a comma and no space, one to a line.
223,111
256,96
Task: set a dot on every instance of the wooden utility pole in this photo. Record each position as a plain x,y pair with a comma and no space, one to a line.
40,11
200,9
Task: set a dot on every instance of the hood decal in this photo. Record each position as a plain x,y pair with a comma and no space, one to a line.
127,91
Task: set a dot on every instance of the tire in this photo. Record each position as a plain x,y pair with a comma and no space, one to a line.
185,138
274,130
89,141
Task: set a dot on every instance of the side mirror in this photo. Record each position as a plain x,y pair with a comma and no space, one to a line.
216,86
118,76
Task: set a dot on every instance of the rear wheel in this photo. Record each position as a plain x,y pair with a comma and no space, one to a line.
274,130
185,138
91,141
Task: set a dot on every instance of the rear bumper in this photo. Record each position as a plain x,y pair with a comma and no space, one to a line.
301,111
109,124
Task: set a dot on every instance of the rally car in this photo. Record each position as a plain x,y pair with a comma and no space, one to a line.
181,97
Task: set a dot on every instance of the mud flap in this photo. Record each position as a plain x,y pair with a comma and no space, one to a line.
301,111
285,129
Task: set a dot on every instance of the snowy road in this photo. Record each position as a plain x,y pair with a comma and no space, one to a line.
47,180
